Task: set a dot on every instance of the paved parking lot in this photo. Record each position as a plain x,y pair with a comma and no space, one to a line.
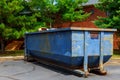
21,70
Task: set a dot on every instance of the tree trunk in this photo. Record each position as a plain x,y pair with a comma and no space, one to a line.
2,45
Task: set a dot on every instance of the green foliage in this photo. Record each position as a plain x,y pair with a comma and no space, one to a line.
13,53
112,7
20,16
13,21
53,11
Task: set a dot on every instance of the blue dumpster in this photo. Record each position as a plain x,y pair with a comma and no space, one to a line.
82,47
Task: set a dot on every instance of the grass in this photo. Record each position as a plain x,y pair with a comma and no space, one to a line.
116,54
12,53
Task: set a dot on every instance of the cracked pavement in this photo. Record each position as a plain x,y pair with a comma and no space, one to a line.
21,70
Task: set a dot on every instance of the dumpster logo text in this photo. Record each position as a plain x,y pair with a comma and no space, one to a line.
94,35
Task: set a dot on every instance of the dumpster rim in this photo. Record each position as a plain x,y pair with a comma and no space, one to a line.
73,28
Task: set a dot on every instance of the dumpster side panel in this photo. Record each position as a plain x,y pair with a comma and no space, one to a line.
108,43
93,43
53,45
93,47
70,46
77,48
77,43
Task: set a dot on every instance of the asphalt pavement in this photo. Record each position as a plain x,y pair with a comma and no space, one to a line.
22,70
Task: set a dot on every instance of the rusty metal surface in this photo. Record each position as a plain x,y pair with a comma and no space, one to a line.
72,46
69,44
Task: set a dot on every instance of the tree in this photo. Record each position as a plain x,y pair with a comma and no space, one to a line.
20,16
58,11
13,24
112,8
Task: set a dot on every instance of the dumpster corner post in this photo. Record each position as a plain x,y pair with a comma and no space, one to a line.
85,55
101,67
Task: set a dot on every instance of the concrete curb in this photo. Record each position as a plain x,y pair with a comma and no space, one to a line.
11,58
115,58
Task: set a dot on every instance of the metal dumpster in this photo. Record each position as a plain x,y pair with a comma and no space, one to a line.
81,47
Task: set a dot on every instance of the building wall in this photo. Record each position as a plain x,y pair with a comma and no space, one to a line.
94,13
116,42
